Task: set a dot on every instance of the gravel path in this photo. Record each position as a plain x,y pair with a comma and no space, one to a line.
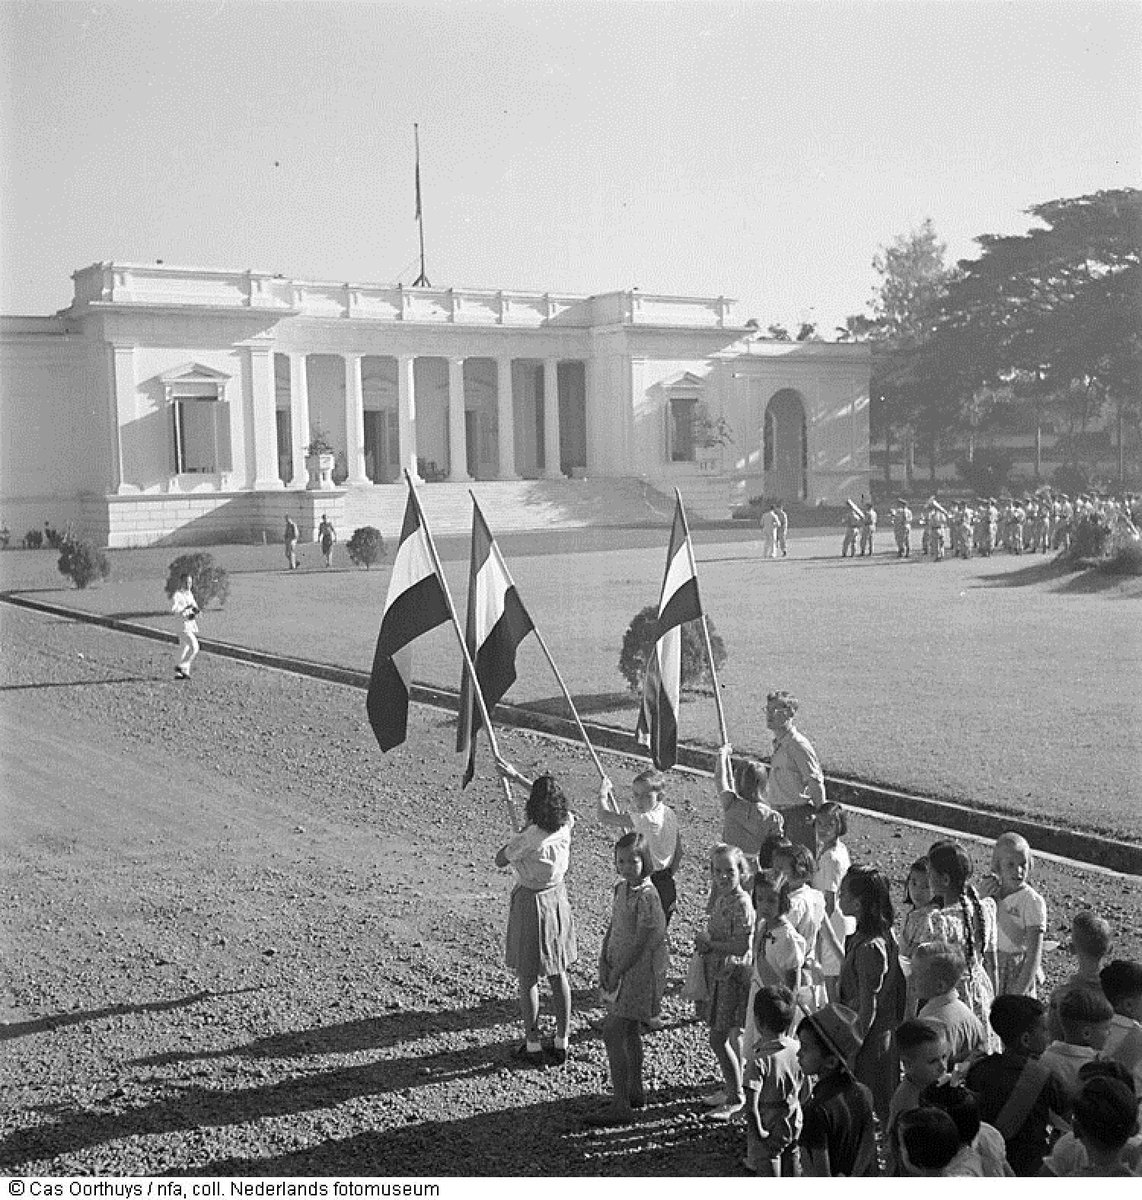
241,941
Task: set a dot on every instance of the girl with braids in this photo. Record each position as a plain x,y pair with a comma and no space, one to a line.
959,915
872,983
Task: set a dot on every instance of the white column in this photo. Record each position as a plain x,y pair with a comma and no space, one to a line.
354,421
298,417
457,433
505,418
121,406
551,419
264,423
406,415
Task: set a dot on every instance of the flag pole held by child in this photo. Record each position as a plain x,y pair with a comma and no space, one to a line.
469,665
497,623
705,627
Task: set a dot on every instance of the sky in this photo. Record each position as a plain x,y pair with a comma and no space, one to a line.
762,151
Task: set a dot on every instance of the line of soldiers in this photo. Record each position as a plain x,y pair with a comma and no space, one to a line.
1034,524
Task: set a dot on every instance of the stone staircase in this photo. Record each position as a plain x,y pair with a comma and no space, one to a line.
517,505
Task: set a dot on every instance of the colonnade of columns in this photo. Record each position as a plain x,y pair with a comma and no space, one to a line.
406,418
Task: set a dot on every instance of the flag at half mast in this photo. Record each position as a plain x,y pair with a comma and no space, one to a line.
658,713
415,604
497,623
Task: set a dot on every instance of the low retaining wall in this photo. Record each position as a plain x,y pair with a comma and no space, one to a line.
1093,848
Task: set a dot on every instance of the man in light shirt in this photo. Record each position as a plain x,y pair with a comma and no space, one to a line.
796,785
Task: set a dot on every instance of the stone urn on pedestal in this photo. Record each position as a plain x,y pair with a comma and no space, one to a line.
319,461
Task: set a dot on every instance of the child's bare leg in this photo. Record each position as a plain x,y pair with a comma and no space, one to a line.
635,1089
561,1001
723,1042
529,1009
615,1038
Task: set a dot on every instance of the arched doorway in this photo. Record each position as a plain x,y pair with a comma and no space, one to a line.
785,450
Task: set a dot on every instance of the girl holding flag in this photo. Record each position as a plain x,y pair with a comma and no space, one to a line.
541,929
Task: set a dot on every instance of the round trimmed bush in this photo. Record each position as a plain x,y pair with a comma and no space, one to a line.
82,563
366,546
639,640
211,581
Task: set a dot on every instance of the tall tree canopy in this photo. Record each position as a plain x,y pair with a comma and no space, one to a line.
913,281
1056,312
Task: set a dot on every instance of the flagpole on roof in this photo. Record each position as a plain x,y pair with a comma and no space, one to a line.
422,279
705,626
468,664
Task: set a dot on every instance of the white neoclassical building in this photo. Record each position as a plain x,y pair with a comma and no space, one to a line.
171,404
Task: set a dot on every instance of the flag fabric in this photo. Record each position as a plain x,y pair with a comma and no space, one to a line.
497,622
415,604
658,712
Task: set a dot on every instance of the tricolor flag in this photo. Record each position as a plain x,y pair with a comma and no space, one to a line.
415,604
497,623
658,715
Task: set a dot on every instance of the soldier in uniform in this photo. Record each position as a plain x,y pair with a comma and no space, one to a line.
853,519
867,530
902,528
937,523
1018,518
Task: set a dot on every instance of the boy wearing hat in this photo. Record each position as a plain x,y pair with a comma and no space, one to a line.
838,1132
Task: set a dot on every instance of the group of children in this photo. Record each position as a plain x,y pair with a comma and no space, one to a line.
851,1043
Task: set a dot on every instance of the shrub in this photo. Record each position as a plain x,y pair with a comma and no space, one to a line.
1126,559
82,563
210,580
33,539
366,546
638,642
988,471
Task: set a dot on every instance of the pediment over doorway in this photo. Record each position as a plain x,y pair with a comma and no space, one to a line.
193,372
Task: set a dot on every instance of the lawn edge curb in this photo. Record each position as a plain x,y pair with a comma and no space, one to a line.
1080,846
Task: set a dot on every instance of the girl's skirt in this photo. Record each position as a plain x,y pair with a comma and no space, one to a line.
541,932
725,1008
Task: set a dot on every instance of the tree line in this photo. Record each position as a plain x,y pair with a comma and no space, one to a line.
1041,326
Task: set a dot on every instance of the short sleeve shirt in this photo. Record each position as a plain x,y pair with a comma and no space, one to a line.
660,828
1017,915
793,765
838,1118
540,859
180,602
749,826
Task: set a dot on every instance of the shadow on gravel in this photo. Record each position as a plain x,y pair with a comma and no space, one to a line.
71,683
48,1024
371,1033
543,1140
198,1107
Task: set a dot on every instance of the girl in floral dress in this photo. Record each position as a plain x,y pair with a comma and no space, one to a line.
959,915
632,974
724,948
914,930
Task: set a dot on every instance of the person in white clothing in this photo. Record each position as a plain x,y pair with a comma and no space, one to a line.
769,526
184,604
650,815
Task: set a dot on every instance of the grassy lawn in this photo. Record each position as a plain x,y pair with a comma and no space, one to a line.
998,682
